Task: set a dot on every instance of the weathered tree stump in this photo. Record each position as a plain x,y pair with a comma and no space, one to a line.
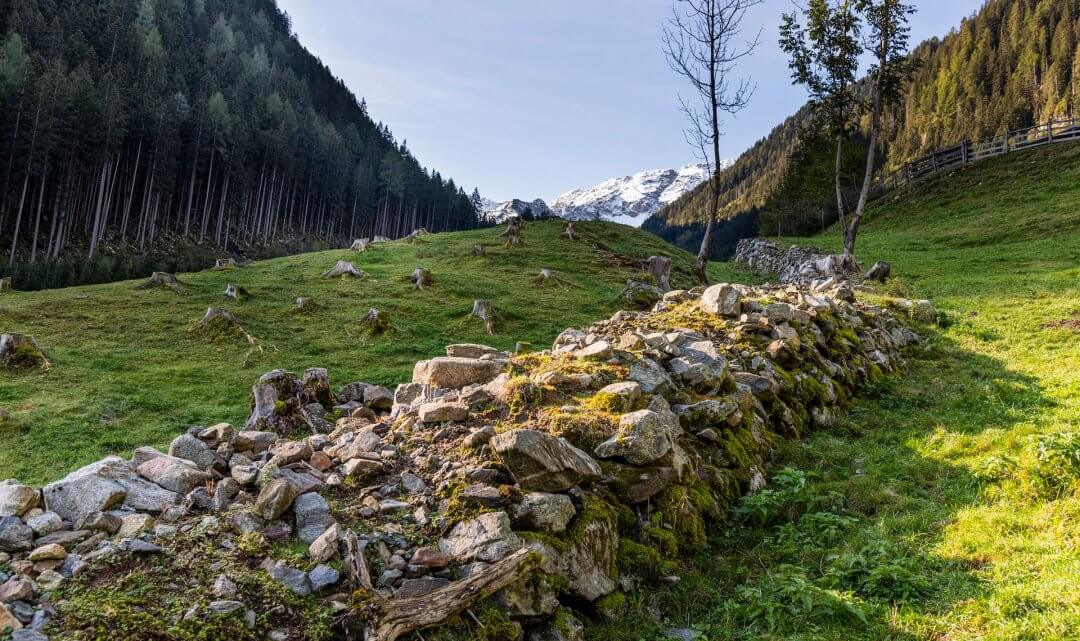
225,263
513,232
360,244
393,619
485,311
5,285
421,279
380,239
568,230
236,293
374,322
163,280
19,351
478,250
522,347
879,272
215,313
415,235
220,323
343,268
305,306
660,268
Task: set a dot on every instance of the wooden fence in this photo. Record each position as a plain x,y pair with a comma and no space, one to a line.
968,152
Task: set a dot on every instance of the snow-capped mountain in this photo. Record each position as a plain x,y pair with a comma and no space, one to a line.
631,199
499,212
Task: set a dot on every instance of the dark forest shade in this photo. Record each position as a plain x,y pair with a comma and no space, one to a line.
138,126
1013,65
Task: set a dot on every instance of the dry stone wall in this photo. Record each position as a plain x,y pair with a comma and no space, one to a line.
532,489
795,264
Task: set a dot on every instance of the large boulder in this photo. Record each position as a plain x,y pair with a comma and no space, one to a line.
103,485
189,448
15,536
451,372
174,474
544,512
488,537
472,350
275,499
16,499
643,438
722,299
544,463
313,517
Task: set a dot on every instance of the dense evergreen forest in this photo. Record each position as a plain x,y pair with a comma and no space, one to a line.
1012,65
133,131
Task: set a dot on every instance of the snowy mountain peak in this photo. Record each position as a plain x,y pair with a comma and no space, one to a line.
630,199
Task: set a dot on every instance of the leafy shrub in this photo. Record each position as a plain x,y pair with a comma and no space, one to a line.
818,529
1057,460
878,570
789,594
786,497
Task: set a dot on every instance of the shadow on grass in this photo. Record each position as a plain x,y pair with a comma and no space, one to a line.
881,465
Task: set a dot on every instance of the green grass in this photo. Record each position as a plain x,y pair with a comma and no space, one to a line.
127,371
963,530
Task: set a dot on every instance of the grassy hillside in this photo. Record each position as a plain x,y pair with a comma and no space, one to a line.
128,371
947,504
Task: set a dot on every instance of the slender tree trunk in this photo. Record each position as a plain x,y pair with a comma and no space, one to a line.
191,185
37,220
206,200
852,229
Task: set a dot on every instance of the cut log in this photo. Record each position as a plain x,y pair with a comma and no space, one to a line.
235,293
163,280
356,567
485,311
393,619
660,268
344,268
19,351
568,230
374,322
225,263
478,250
360,244
421,279
5,285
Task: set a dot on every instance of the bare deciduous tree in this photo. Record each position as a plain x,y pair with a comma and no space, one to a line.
703,44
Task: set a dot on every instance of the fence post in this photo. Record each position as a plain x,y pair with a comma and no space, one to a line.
964,152
1050,130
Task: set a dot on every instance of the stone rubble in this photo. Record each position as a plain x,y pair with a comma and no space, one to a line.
637,431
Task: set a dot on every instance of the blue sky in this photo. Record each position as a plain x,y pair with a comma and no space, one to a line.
531,99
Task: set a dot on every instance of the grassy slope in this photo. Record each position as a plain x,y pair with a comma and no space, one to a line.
940,466
128,373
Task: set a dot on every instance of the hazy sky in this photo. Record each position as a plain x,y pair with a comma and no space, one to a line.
531,99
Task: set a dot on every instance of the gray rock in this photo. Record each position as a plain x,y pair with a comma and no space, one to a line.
650,377
45,523
174,473
643,438
598,351
879,272
275,499
413,483
138,546
441,412
225,607
323,577
543,512
722,299
378,398
295,580
705,414
82,492
326,547
224,587
488,537
189,448
255,441
544,463
312,517
353,392
16,499
455,373
472,350
15,536
480,437
27,634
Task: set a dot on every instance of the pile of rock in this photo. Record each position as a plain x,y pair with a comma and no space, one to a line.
799,265
621,445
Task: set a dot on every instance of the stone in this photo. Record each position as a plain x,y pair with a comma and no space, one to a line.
778,312
643,437
295,580
15,536
51,552
762,387
567,628
378,398
430,558
8,620
488,537
27,634
224,587
326,546
16,499
50,580
100,522
471,350
544,512
315,387
880,271
628,392
312,517
18,588
361,468
66,538
924,312
705,414
722,299
480,437
483,495
413,483
323,577
289,452
544,463
225,607
82,492
598,351
393,505
190,448
254,441
441,412
650,377
138,546
135,524
174,473
419,587
275,499
455,372
45,523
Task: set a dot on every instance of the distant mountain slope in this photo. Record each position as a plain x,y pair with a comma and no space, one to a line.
128,122
630,199
1012,65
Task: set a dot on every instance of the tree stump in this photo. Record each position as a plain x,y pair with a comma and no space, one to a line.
485,311
235,293
568,230
415,235
343,268
660,268
392,619
163,280
224,263
374,322
360,244
513,232
522,347
19,351
380,239
216,313
305,306
5,285
421,279
478,250
879,272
